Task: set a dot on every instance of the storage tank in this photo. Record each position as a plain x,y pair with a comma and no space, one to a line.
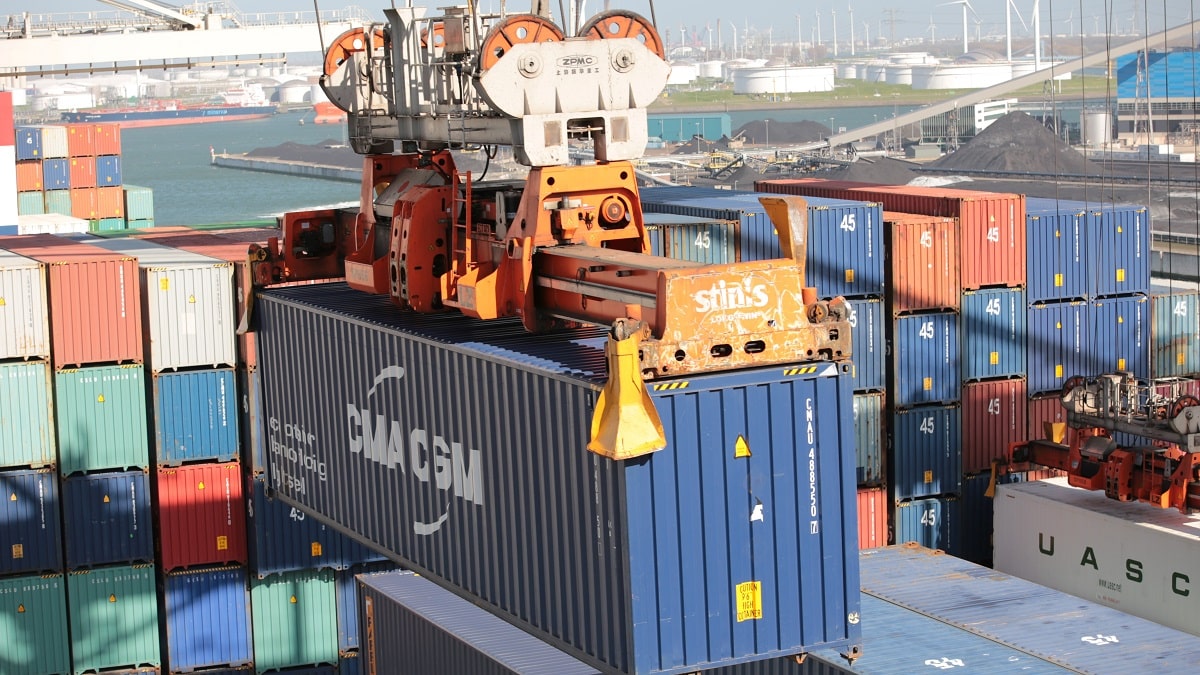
1096,127
783,80
970,76
847,71
711,69
683,73
910,58
295,91
899,74
876,72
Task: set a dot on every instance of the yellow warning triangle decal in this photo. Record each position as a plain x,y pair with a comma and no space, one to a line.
192,299
741,448
13,497
200,486
293,600
100,398
112,598
106,499
2,302
20,609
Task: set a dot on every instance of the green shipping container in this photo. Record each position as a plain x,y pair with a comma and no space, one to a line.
109,224
139,202
114,618
295,620
26,416
30,203
33,625
102,419
140,224
58,201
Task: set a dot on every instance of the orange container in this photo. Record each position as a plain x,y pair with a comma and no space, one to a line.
201,515
81,141
95,303
83,172
29,175
923,251
107,138
110,202
994,414
83,203
872,517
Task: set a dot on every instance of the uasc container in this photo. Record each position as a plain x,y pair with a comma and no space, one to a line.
926,358
107,519
926,458
114,618
201,515
27,417
33,623
207,618
30,533
195,416
922,262
754,442
102,423
295,620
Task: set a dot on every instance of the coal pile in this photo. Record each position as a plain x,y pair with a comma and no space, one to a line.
1017,142
882,170
773,132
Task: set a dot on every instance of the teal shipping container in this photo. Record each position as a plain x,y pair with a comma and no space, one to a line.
26,415
139,224
31,203
109,225
102,422
675,128
1174,332
114,618
33,625
139,202
58,201
869,438
295,620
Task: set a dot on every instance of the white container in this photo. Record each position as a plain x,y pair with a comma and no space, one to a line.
54,141
188,302
24,322
50,223
1130,556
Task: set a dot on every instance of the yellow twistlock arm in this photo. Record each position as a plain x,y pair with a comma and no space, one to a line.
625,424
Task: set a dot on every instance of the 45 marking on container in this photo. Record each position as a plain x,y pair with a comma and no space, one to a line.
945,663
749,600
703,240
1099,640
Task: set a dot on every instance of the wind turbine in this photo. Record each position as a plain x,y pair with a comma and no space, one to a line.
932,30
833,17
1037,36
1009,7
817,13
850,10
966,5
867,34
1071,23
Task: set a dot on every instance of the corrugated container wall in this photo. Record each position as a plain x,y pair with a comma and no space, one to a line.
54,140
869,439
195,416
993,333
926,458
29,143
30,529
207,619
1120,331
106,519
993,416
254,442
84,203
705,240
926,358
102,424
81,140
977,538
28,204
108,170
1045,409
110,206
1073,633
33,624
346,590
295,620
56,175
95,307
1058,344
922,262
24,315
201,515
114,618
1174,332
139,202
59,201
1120,259
935,522
188,300
107,137
872,517
285,539
29,176
82,172
1057,245
727,433
868,343
26,415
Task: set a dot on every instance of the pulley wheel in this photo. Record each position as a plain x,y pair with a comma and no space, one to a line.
1071,384
349,43
515,30
621,23
1182,403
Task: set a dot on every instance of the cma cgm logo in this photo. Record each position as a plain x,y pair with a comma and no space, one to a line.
576,61
732,296
451,467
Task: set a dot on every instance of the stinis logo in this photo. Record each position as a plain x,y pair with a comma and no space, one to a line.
732,296
451,467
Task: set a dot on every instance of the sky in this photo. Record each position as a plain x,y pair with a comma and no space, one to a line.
698,20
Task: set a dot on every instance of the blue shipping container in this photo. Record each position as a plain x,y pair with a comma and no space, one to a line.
346,591
1174,332
350,663
196,417
107,519
712,241
1121,328
26,423
934,522
993,333
30,533
925,359
1119,261
869,439
510,518
29,142
1057,243
56,174
926,457
108,170
207,618
1058,345
286,539
867,341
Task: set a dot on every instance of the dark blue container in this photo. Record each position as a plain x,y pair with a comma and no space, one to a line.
207,618
350,663
926,456
196,416
56,174
976,539
1058,344
704,240
1119,260
346,592
993,333
1121,326
107,519
1057,244
925,359
287,539
108,170
30,534
934,522
867,341
29,143
869,438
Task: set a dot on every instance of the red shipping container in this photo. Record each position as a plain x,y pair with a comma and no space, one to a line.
923,255
29,175
81,140
8,132
110,202
1044,409
95,303
83,172
872,517
83,203
994,414
201,515
107,138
